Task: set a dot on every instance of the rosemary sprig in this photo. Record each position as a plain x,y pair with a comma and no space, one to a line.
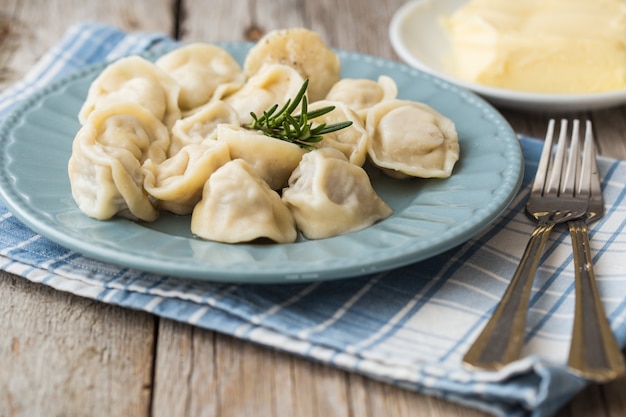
280,124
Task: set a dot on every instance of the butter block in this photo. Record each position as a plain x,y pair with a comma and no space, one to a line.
545,46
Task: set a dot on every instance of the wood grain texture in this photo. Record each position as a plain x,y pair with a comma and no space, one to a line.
29,28
201,373
61,355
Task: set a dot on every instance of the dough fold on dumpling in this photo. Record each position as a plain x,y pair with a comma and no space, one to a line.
411,139
351,140
272,85
105,166
301,49
203,71
177,182
238,206
134,79
360,94
273,159
201,125
329,196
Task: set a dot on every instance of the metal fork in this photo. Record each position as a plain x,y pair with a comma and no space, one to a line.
594,352
552,200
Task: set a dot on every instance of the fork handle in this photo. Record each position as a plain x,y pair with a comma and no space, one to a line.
502,339
594,352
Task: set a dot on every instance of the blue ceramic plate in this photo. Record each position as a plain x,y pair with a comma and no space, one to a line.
430,216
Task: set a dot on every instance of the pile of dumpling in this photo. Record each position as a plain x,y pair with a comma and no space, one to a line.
168,135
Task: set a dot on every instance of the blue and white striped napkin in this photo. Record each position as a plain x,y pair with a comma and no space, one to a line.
409,326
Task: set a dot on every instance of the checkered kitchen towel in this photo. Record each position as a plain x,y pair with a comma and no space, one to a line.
409,326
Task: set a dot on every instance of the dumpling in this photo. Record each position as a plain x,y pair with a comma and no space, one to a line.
105,184
273,159
105,166
177,182
351,140
329,196
203,71
301,49
273,84
130,126
238,206
410,139
201,125
136,80
361,94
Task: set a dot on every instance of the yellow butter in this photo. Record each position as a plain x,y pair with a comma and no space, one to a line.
546,46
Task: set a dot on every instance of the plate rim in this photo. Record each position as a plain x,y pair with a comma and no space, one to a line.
88,249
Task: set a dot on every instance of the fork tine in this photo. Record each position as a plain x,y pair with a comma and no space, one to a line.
595,187
557,171
545,161
587,185
569,186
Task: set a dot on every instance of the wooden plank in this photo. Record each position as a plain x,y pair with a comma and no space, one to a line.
373,398
239,20
367,20
609,126
318,390
29,28
62,355
185,381
202,373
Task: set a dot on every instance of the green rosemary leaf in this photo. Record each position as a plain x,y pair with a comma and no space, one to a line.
333,128
298,98
281,124
320,112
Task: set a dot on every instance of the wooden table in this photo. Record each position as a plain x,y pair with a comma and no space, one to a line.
62,355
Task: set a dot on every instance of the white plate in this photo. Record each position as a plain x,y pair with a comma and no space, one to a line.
430,216
419,39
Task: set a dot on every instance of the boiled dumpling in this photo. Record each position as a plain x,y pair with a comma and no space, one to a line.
238,206
329,196
105,184
351,140
273,159
201,125
410,139
130,126
105,166
177,182
204,72
301,49
273,84
361,94
136,80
